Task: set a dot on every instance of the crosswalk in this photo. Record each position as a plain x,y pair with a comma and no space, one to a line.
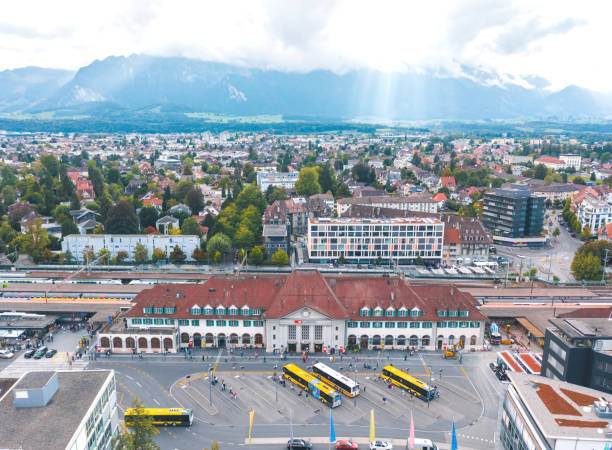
59,362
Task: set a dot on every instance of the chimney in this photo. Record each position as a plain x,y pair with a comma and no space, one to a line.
392,296
452,292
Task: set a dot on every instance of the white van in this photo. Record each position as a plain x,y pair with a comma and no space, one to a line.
424,444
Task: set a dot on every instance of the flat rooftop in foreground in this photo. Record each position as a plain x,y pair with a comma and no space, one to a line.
52,426
561,410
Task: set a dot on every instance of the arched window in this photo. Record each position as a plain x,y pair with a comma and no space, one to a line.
155,343
376,340
233,338
246,339
105,342
451,339
184,338
209,338
168,344
142,342
401,340
473,340
388,340
258,339
130,343
352,340
425,341
414,340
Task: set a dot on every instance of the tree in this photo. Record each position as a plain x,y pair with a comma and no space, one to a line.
141,255
244,238
219,243
540,172
308,182
586,233
218,257
177,255
191,227
141,437
122,219
104,256
122,255
256,257
280,258
105,203
586,266
96,178
148,215
33,241
251,195
274,193
50,163
195,200
557,232
183,186
159,255
327,178
198,254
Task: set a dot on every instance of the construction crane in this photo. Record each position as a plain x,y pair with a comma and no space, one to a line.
397,269
451,353
241,264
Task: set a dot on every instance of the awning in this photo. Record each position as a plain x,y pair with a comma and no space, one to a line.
10,334
535,332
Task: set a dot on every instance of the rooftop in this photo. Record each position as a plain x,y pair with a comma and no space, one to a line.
52,426
382,220
584,328
561,410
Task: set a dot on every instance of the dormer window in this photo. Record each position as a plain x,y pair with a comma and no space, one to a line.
220,311
245,311
378,312
195,310
416,312
390,312
364,312
233,311
208,310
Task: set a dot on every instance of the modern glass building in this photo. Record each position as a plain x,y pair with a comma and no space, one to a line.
513,212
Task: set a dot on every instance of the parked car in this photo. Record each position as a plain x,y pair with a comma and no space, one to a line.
299,444
40,353
380,445
51,353
5,354
346,445
29,353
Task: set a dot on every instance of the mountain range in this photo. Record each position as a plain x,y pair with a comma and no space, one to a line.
146,85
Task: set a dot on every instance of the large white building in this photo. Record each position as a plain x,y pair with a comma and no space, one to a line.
295,312
75,410
285,180
79,244
402,239
594,213
544,414
574,161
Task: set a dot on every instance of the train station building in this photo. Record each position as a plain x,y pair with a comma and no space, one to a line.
301,311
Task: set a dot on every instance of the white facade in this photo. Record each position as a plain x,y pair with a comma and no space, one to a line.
368,239
77,244
574,161
401,203
101,422
285,180
594,213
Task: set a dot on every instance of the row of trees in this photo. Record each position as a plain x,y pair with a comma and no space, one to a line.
588,261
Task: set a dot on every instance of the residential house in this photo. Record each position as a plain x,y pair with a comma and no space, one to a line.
166,223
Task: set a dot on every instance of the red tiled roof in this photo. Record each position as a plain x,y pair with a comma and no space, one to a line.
279,296
448,181
588,313
451,236
440,197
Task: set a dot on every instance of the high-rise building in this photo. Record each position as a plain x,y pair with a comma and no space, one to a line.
513,212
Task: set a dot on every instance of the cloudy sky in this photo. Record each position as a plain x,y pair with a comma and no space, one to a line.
565,42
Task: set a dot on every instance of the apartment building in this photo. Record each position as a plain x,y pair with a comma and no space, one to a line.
285,180
513,212
363,240
421,201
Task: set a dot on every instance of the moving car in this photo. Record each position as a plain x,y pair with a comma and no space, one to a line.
50,353
380,445
299,444
346,445
29,353
5,354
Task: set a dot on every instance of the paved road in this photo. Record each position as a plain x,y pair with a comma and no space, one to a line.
561,251
469,393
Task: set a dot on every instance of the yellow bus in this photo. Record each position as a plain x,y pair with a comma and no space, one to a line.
162,416
316,387
408,382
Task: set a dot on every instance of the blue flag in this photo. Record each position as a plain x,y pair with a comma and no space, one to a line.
454,438
332,432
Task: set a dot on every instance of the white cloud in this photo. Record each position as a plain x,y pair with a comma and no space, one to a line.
564,42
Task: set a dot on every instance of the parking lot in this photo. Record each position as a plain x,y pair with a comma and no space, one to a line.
469,393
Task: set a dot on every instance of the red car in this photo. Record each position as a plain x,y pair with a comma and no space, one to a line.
342,445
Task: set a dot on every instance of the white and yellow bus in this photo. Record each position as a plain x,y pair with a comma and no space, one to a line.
316,387
408,382
335,379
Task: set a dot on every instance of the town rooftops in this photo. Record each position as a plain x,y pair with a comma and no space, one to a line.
274,230
52,426
561,410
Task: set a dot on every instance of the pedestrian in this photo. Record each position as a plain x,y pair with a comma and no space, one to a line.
384,399
231,391
405,357
364,389
235,395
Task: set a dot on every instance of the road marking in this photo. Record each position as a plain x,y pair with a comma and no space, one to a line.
155,400
139,385
425,365
130,377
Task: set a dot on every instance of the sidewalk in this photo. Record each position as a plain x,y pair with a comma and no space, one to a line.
397,443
